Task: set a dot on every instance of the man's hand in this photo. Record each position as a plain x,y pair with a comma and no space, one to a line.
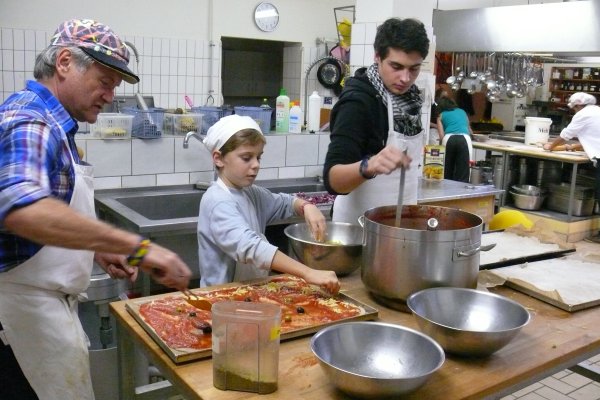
388,160
116,266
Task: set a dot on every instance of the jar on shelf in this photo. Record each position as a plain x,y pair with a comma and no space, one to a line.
556,74
576,73
593,87
569,73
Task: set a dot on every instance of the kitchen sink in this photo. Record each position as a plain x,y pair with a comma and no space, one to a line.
164,209
164,206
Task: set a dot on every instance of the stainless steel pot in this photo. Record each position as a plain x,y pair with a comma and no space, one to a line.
399,261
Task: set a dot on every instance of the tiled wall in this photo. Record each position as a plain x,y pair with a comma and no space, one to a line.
170,69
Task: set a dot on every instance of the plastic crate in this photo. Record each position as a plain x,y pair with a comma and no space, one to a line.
112,126
261,115
180,124
146,124
210,115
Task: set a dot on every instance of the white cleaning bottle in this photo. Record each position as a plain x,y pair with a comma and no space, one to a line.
282,112
295,118
314,112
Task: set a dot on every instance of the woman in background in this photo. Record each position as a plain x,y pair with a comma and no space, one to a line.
454,131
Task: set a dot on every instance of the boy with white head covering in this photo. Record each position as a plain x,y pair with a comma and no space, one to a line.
584,126
234,213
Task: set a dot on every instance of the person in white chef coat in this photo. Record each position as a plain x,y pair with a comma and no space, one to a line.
49,234
234,213
376,125
585,126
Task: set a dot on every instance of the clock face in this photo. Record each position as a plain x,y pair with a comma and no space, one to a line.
266,17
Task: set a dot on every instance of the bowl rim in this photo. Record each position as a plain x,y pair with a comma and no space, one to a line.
435,344
412,297
288,228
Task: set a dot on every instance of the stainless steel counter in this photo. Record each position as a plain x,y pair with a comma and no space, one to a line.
430,191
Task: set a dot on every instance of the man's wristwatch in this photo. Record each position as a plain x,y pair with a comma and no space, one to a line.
364,163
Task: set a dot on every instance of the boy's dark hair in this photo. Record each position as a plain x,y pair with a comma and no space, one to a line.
406,34
445,104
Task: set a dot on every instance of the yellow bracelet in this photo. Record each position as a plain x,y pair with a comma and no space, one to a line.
136,258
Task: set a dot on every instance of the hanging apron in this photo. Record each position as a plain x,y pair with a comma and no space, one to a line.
383,190
38,310
243,271
467,138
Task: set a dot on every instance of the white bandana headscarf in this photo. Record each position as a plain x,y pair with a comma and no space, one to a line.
225,128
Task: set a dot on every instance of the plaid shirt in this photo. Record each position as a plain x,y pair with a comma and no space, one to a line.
36,136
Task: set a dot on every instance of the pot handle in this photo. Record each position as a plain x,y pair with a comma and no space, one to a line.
472,252
361,221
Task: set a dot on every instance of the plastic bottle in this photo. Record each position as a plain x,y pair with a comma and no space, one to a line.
282,112
295,118
314,112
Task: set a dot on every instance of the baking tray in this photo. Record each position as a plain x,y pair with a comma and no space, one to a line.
185,355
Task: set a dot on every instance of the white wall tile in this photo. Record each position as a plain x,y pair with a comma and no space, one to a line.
370,32
324,140
19,39
7,60
302,150
358,33
204,176
274,153
19,60
357,53
313,170
138,181
172,179
109,157
195,158
152,156
7,39
29,40
291,172
268,173
113,182
369,56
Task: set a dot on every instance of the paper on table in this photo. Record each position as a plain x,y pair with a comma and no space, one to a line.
567,281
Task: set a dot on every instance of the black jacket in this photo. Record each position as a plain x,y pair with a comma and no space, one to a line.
358,124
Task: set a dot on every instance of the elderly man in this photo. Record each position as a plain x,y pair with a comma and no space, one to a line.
49,235
584,126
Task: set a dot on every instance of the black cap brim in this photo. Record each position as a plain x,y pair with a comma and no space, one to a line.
114,64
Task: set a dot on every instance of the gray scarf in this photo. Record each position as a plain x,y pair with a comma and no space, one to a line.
406,107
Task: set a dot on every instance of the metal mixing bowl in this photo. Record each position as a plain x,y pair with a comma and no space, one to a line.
373,360
340,252
467,322
528,190
528,202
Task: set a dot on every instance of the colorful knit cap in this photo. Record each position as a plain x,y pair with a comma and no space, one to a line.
99,42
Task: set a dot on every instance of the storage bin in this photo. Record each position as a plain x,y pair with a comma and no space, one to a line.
180,124
147,124
210,115
261,115
112,126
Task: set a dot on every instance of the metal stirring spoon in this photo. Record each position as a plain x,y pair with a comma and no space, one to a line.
400,195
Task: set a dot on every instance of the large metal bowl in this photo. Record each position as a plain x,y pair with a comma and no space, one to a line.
340,252
467,322
373,360
528,202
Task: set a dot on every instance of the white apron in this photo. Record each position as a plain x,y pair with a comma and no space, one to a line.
383,189
467,138
244,272
38,311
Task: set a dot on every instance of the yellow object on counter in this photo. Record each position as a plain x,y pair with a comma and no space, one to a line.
507,218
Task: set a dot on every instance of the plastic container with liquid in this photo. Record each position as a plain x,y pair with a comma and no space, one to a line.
314,112
282,112
295,118
245,346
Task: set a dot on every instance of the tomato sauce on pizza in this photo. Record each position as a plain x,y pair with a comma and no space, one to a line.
181,325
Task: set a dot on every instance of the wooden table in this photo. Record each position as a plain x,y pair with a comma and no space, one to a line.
508,148
553,340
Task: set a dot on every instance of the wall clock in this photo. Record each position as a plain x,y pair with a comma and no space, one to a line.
266,17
